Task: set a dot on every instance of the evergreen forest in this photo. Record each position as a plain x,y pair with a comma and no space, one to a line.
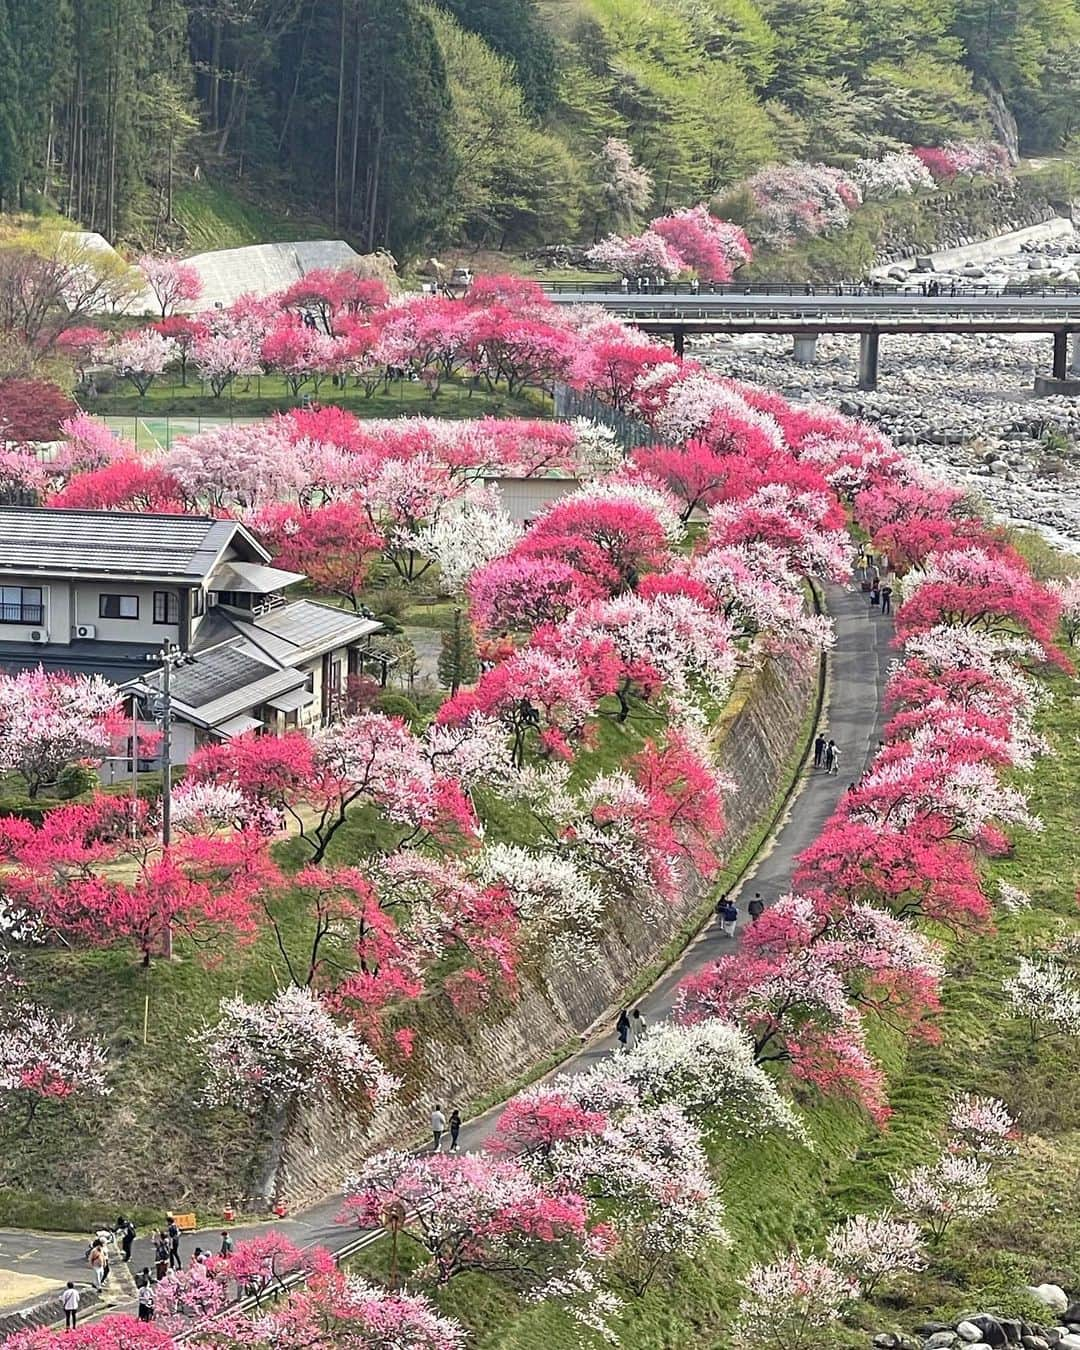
409,124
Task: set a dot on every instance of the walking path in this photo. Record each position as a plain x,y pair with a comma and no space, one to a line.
857,669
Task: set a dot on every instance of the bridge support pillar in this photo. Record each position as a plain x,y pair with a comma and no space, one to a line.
805,350
1061,355
868,360
678,341
1074,364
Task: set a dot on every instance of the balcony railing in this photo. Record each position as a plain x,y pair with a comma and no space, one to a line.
22,613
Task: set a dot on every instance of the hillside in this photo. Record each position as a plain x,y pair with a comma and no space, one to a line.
417,125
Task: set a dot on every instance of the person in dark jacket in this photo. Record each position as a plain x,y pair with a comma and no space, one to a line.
756,907
172,1232
125,1231
622,1026
455,1129
819,751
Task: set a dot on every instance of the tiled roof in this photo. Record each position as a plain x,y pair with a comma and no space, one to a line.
107,543
310,626
222,681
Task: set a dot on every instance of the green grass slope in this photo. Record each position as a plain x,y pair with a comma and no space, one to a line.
779,1194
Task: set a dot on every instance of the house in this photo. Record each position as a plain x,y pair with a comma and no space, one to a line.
101,592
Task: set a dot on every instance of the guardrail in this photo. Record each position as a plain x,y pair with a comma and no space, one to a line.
876,314
284,1285
866,290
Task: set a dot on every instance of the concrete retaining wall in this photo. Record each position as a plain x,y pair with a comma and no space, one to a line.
464,1058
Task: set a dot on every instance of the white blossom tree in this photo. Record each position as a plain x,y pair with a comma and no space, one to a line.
793,1304
1045,992
873,1247
707,1069
286,1050
953,1189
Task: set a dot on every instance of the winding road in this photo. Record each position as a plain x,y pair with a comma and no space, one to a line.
852,716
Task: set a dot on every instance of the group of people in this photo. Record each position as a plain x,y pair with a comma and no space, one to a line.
440,1125
826,754
630,1028
880,591
166,1257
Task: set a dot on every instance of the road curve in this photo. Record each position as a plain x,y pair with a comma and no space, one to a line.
857,668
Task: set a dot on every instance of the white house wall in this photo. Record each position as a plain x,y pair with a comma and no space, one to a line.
524,498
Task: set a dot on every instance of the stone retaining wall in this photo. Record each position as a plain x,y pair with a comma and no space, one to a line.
959,216
463,1059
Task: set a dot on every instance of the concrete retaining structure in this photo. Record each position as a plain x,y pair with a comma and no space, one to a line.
464,1058
984,250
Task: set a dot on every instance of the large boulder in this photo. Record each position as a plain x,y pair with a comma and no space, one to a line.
990,1329
938,1340
1050,1296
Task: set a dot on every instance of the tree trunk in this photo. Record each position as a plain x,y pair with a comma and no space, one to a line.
339,127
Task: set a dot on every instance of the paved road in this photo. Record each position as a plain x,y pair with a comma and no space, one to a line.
857,670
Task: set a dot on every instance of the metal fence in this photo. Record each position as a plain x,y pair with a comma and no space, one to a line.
630,431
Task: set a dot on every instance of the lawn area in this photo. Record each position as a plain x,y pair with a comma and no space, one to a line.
778,1193
194,405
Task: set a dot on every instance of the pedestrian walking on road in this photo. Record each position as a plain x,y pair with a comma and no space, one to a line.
830,756
721,905
97,1263
71,1306
730,919
455,1129
756,907
819,751
146,1299
886,599
622,1027
161,1255
172,1232
834,758
438,1128
125,1231
637,1027
226,1243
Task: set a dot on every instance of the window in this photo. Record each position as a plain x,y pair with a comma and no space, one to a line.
22,604
118,606
145,765
235,599
166,607
198,603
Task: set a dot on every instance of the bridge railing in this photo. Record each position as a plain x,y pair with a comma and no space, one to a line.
781,288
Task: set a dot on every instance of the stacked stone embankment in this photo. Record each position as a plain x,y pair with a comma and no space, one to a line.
463,1057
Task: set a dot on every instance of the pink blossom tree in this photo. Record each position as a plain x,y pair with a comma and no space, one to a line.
708,247
43,1058
642,255
221,357
171,281
475,1214
50,721
141,356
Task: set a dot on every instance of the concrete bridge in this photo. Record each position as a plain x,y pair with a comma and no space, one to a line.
872,313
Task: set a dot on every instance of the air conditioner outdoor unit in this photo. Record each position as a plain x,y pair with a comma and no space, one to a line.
38,636
86,630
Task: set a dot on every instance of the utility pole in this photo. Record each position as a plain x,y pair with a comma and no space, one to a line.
170,656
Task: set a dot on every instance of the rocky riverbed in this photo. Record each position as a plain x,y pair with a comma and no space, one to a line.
964,405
